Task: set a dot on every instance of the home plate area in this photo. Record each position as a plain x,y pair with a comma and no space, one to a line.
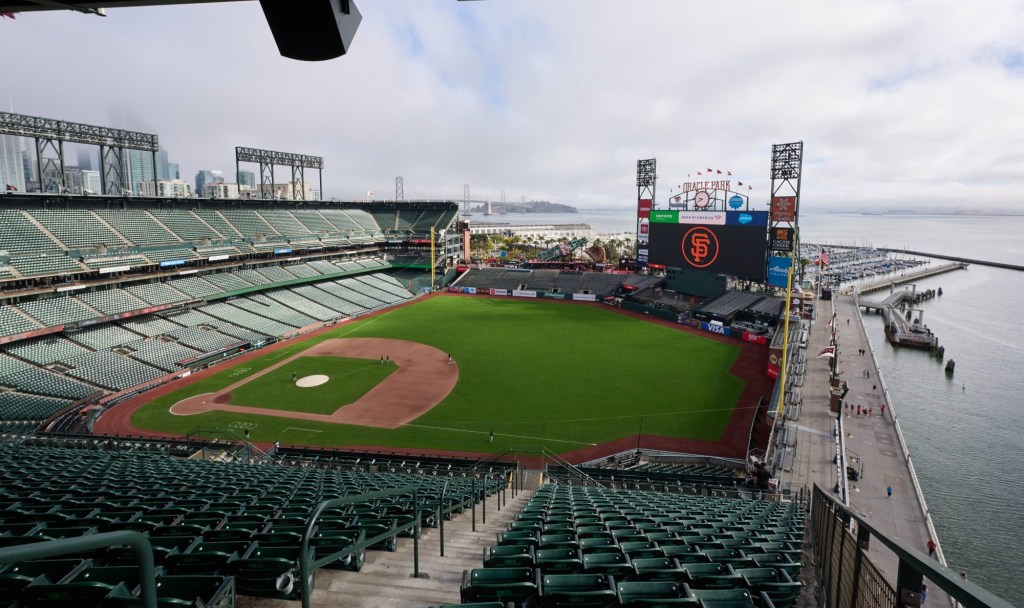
310,381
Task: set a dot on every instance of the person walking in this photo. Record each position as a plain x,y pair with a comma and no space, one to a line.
888,492
492,436
449,358
931,547
924,593
382,359
294,377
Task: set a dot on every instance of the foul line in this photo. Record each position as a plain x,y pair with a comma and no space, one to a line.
302,429
362,325
445,428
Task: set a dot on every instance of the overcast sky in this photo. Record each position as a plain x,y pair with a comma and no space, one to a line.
898,103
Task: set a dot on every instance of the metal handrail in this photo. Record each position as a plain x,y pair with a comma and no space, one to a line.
63,546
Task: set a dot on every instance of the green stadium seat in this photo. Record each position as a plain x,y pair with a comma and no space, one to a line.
686,554
711,576
498,584
179,592
635,549
655,594
779,561
774,583
728,598
508,556
599,545
16,577
582,590
519,538
326,542
555,541
657,568
564,560
734,557
615,564
208,557
269,572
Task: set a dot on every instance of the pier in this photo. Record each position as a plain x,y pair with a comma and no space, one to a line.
899,329
890,282
955,258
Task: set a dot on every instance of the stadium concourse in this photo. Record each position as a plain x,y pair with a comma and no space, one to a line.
103,299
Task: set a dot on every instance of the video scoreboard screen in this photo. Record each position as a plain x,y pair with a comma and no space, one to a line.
733,243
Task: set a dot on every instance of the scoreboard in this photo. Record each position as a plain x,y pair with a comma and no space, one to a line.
733,243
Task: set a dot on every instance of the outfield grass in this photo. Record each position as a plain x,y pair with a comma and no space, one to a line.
536,373
350,379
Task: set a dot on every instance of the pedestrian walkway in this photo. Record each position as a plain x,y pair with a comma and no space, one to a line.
872,443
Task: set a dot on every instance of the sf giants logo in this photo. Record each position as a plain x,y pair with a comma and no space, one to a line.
700,247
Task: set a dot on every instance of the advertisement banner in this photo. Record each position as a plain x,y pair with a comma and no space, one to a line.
783,208
778,270
524,293
499,292
282,251
553,296
715,329
781,239
643,231
664,217
746,218
584,297
110,269
773,371
644,207
217,258
715,218
469,290
167,263
755,338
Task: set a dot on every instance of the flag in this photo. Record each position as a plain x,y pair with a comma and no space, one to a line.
828,351
369,193
709,171
8,15
750,187
718,171
822,258
739,183
699,173
11,188
729,172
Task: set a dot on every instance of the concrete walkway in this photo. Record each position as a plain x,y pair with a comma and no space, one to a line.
872,443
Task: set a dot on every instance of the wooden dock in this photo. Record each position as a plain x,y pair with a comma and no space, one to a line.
898,329
890,282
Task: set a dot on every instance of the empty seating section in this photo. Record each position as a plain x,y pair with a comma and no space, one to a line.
343,291
347,221
392,287
10,365
18,234
77,228
603,547
298,302
43,382
323,267
283,222
250,275
161,354
248,223
210,523
157,294
349,266
205,340
329,300
172,254
197,287
45,350
106,261
206,252
315,221
19,406
12,321
262,305
138,227
303,270
111,370
185,224
58,311
150,325
227,281
196,318
111,301
276,274
45,264
244,318
372,290
103,336
217,221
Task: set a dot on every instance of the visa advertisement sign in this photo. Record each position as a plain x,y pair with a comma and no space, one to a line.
778,270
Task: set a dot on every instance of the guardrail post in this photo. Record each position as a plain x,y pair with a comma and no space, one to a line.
475,496
485,501
416,534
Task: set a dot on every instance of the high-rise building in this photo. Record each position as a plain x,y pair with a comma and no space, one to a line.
162,166
205,176
91,182
173,171
167,188
28,163
88,159
246,179
140,168
220,190
12,169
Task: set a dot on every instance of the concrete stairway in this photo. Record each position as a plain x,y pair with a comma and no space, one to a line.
386,579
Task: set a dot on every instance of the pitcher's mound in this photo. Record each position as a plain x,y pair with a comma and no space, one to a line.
308,381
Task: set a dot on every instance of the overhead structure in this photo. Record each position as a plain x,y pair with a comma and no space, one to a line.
465,198
563,250
646,179
783,233
399,189
267,159
310,30
50,134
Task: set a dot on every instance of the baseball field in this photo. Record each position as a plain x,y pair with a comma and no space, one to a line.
535,373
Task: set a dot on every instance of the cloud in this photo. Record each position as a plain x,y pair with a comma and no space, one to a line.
913,101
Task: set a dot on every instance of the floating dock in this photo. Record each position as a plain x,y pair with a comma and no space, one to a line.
898,327
890,282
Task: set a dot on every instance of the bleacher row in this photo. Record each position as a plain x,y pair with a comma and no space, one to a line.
84,306
541,280
40,376
215,527
45,242
609,548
